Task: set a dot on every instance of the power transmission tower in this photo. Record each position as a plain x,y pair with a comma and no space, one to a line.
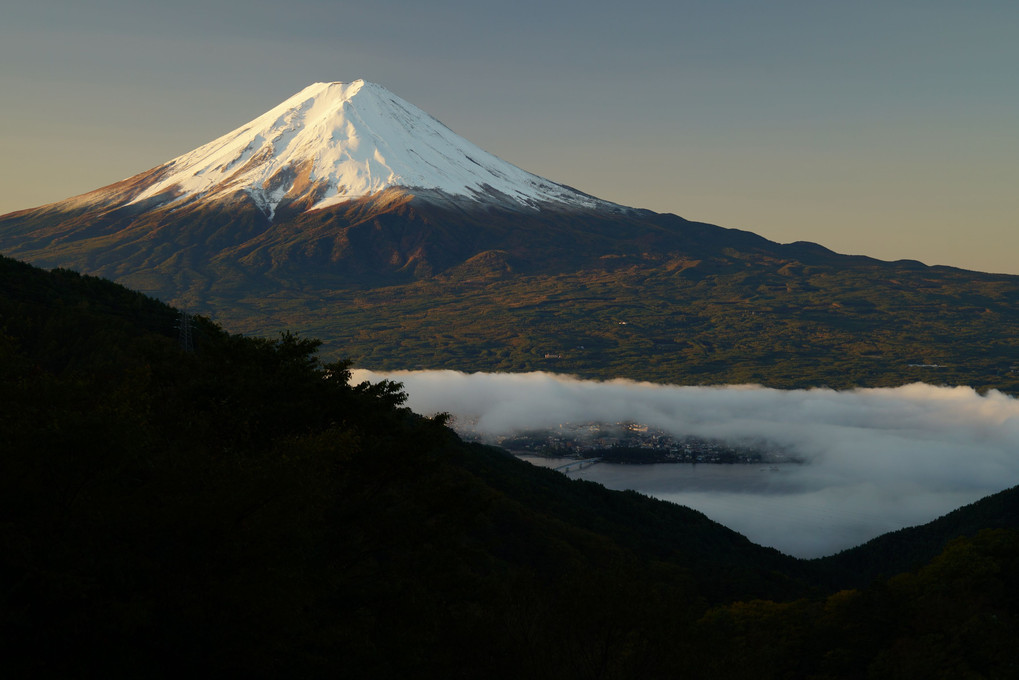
184,337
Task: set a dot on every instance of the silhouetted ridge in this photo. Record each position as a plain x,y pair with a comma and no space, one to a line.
910,548
242,510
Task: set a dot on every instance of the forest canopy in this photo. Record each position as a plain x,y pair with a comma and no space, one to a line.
243,509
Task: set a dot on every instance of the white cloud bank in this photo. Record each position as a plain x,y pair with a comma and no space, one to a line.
878,459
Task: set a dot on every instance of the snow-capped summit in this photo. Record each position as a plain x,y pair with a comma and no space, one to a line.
343,181
333,142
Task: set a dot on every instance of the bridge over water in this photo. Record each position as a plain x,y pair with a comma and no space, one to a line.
575,465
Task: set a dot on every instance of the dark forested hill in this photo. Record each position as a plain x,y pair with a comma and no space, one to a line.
241,510
909,548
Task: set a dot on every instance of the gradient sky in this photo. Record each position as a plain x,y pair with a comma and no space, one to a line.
888,128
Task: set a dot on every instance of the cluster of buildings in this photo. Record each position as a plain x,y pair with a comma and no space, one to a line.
634,443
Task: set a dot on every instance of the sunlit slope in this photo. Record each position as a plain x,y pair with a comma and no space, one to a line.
782,319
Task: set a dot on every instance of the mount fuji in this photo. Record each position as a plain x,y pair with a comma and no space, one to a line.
343,180
334,142
351,214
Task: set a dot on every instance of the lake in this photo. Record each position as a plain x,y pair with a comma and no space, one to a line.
794,508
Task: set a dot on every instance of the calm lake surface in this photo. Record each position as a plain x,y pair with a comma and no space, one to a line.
675,478
791,507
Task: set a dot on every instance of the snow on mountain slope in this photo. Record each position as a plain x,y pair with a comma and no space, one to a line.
333,142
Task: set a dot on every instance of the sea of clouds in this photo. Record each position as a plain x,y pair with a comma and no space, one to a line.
875,459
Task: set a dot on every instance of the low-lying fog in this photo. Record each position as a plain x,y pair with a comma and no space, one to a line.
876,459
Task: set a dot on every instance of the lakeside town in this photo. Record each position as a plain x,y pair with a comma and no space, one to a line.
628,443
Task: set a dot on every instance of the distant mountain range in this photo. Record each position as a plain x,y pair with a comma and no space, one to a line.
350,214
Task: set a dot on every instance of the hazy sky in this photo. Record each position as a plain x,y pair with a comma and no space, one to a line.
876,459
884,128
